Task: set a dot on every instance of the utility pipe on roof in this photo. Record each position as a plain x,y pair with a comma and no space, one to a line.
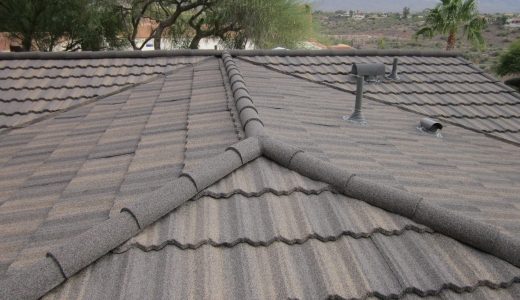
357,115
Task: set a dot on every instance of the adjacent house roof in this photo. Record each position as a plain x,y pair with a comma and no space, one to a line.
224,177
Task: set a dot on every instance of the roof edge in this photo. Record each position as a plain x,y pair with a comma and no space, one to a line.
191,52
480,235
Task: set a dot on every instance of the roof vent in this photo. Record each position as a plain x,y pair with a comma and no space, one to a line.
357,116
430,126
394,75
370,72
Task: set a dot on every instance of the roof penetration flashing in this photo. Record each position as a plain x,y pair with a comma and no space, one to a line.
65,260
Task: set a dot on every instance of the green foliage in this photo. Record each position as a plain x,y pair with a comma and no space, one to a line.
509,61
267,23
381,44
93,25
451,16
43,24
28,20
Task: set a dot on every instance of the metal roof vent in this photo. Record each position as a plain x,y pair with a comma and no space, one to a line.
394,75
370,72
430,126
357,116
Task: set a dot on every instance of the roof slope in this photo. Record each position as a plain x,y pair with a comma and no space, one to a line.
449,88
297,245
31,89
294,237
463,171
62,176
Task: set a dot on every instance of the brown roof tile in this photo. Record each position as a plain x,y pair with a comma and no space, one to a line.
263,231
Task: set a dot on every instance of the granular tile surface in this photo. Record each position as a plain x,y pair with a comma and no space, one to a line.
263,231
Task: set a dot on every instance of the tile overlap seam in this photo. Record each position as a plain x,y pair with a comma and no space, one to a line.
276,239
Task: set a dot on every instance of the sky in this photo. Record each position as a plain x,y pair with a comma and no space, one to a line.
486,6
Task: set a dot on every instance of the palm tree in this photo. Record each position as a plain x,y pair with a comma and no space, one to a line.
450,16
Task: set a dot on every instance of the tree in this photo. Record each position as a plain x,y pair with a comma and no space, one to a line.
406,12
509,61
235,22
25,20
93,25
449,17
267,24
164,14
43,24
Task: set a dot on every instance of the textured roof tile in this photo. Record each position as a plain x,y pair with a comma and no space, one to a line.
262,231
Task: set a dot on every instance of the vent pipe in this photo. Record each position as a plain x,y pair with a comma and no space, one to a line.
430,125
394,75
357,116
370,72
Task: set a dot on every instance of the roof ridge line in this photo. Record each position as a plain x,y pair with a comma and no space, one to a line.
483,236
82,250
189,52
401,63
251,122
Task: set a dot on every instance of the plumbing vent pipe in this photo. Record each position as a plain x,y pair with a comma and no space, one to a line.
370,72
357,116
394,75
430,125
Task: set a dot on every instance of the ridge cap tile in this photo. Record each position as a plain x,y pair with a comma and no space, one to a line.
65,260
240,91
189,52
82,250
482,236
32,282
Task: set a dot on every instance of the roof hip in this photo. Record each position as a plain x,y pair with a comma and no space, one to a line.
480,235
83,249
65,260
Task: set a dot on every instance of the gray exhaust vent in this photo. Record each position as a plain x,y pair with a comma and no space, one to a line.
357,116
430,125
370,72
394,75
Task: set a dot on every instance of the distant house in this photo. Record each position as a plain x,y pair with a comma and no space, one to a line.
513,23
4,42
358,17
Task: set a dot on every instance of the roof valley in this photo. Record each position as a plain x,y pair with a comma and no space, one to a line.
210,124
118,142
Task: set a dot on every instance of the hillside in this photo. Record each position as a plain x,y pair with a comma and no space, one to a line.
486,6
392,32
